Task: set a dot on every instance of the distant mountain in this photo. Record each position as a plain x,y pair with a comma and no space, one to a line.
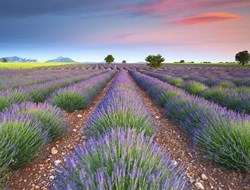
18,59
61,59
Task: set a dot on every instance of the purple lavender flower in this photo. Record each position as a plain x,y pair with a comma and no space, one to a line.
126,167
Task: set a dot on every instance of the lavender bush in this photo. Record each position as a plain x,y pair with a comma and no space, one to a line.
120,160
24,138
223,135
50,116
226,97
194,87
79,96
4,102
121,107
38,92
239,102
225,142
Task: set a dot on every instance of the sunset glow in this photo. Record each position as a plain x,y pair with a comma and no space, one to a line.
194,30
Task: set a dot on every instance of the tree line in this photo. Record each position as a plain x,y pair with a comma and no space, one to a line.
156,61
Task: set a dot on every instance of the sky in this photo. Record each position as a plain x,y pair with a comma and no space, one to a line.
88,30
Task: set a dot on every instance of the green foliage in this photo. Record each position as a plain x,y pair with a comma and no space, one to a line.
124,61
155,61
109,59
226,84
126,120
52,120
182,61
176,82
194,87
40,94
4,60
242,57
164,96
19,97
23,137
4,102
227,144
70,101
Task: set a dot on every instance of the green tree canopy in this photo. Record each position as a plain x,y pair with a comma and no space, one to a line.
243,57
124,61
109,59
4,60
155,61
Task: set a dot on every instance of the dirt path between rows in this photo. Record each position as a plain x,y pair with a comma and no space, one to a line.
40,174
204,174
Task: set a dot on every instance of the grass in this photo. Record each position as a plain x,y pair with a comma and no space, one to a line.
21,65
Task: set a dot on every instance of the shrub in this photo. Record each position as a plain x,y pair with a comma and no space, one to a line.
122,159
222,135
40,93
226,84
104,121
4,102
79,96
19,96
70,100
225,142
165,95
24,137
243,90
121,108
9,97
50,116
228,98
194,87
176,82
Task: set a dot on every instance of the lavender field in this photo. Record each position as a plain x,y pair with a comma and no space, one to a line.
125,127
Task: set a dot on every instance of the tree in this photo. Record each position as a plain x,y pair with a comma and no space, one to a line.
4,60
124,61
243,57
109,59
182,61
155,61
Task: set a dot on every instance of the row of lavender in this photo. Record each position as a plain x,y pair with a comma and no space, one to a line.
222,135
239,84
26,127
18,79
229,98
120,153
79,96
211,74
39,92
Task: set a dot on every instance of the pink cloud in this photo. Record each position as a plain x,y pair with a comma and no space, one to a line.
124,36
205,18
164,7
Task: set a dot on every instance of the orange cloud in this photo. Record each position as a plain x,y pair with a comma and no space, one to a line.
205,18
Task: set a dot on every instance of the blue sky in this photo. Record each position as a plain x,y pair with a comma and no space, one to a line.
194,30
